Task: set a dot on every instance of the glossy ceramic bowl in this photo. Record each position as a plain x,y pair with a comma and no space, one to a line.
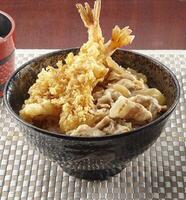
92,157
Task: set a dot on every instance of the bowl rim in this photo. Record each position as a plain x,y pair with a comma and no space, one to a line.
12,26
92,138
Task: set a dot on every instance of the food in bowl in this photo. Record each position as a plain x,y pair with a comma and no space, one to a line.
90,94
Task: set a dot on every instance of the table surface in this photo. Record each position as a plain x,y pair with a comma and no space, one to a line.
158,173
157,24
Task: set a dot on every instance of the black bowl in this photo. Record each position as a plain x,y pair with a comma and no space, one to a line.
92,157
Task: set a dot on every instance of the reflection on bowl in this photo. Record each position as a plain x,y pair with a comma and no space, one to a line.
92,157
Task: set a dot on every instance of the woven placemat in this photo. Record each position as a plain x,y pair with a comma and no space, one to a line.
159,173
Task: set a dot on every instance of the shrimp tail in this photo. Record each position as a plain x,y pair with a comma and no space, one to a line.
90,16
120,37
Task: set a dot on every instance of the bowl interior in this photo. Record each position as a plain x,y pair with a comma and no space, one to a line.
5,25
158,75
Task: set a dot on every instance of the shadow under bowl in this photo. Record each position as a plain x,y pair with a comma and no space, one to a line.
92,157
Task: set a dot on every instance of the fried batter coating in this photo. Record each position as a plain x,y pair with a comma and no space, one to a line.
69,87
90,94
